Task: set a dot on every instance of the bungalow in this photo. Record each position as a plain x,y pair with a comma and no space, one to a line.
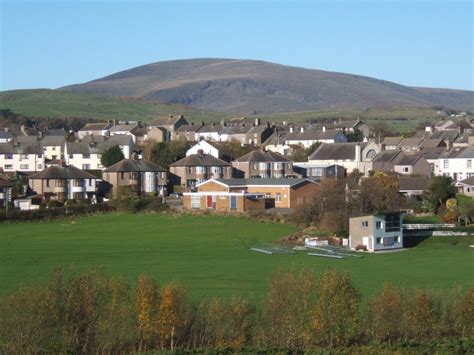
259,163
376,232
247,194
141,175
466,186
63,183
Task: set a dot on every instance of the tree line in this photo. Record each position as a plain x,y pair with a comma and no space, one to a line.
90,312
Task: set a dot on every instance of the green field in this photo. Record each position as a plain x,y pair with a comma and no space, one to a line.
53,103
210,254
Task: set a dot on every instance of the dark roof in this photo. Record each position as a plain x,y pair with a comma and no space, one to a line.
131,165
188,128
410,183
6,135
469,181
314,135
407,159
392,140
266,182
386,156
458,152
200,160
60,172
53,140
167,120
24,148
260,156
335,151
96,126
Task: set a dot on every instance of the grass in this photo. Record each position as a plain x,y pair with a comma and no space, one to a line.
209,254
54,103
423,219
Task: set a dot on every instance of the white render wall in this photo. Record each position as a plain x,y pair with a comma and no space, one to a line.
457,168
20,162
205,147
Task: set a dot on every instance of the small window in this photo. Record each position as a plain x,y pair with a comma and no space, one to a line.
405,169
9,156
47,182
469,164
24,166
195,201
396,239
378,240
446,164
86,166
71,156
8,167
23,156
378,225
365,223
86,156
278,197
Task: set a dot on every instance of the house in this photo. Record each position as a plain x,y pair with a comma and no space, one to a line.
457,163
258,134
25,157
95,129
205,147
352,156
466,186
141,175
157,134
5,137
187,133
399,162
210,132
83,155
169,124
63,183
308,138
351,126
319,172
246,194
412,186
197,168
376,232
259,163
133,130
53,146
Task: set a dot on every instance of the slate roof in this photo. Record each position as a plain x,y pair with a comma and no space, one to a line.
432,153
60,172
123,127
53,141
132,165
406,159
413,183
200,160
392,140
23,148
386,156
410,142
313,135
188,128
260,156
459,153
166,120
96,126
335,151
433,143
469,181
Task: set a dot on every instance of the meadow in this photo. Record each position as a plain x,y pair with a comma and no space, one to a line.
209,254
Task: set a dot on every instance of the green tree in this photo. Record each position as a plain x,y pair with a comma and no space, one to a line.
439,190
111,156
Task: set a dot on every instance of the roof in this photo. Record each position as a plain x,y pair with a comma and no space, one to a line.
459,153
432,153
123,127
167,120
96,126
410,142
392,140
60,172
260,156
23,148
386,156
53,140
407,159
188,128
261,182
313,135
200,160
433,143
411,183
335,151
469,181
132,165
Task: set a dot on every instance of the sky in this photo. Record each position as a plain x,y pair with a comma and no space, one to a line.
49,44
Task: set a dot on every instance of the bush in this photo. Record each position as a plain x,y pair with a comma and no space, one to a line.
54,204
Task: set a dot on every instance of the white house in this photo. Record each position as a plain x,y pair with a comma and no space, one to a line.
457,163
21,157
82,155
53,146
94,129
308,138
205,147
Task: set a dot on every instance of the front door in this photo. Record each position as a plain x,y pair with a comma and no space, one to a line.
209,202
233,202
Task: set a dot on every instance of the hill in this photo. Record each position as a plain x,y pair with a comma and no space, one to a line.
54,103
256,87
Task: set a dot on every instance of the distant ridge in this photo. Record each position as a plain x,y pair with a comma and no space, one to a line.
249,87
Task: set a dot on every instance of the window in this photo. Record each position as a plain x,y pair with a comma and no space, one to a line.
278,197
40,166
469,164
288,166
23,156
446,164
255,166
378,225
122,175
200,169
396,239
53,148
90,182
378,240
190,170
405,169
24,166
40,155
71,156
163,175
277,166
264,166
268,195
365,223
86,156
9,156
47,182
9,167
86,166
392,222
195,201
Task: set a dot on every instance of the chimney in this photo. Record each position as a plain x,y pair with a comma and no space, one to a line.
257,122
302,129
324,128
201,152
358,151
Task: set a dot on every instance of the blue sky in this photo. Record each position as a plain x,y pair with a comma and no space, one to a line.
48,44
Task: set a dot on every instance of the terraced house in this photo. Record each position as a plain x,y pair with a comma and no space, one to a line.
25,157
259,163
197,168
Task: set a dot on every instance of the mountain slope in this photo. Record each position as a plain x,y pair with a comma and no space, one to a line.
257,87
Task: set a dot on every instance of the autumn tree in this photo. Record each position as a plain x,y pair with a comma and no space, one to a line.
385,314
439,190
379,193
146,304
336,315
423,316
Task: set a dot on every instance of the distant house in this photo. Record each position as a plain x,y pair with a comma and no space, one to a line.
133,130
457,163
319,172
351,126
210,132
24,157
413,186
466,186
308,138
197,168
53,146
247,194
63,183
95,129
5,137
258,134
157,134
259,163
399,162
141,175
187,133
204,147
376,232
170,124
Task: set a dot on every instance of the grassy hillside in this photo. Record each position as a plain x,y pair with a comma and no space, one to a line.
209,254
53,103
